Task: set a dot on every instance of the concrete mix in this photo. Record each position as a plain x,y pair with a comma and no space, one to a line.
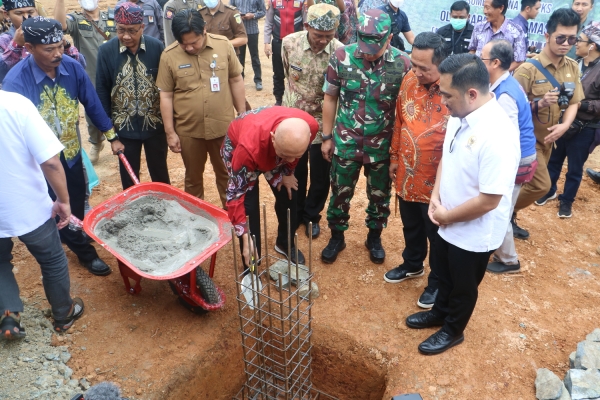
156,235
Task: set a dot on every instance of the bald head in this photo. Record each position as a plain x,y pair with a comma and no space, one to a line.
291,138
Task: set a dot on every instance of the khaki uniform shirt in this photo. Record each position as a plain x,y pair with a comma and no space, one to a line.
305,73
173,7
199,112
87,38
536,86
226,21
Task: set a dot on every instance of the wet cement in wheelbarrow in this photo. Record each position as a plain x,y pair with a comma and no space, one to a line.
157,235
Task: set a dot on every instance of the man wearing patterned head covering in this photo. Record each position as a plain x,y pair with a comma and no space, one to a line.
305,56
126,84
55,85
365,77
152,17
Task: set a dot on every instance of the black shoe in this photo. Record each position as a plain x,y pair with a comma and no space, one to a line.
277,102
316,230
427,299
281,249
439,342
335,245
376,251
545,199
96,266
594,175
518,232
564,210
401,273
498,267
423,319
259,86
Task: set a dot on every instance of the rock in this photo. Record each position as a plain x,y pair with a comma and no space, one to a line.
565,394
282,267
85,385
587,355
73,383
65,356
594,336
583,384
43,381
547,385
68,373
572,360
51,356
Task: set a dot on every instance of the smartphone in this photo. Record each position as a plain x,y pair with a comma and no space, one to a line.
242,14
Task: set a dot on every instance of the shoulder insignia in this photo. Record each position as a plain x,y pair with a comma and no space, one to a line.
201,7
238,18
524,76
83,22
169,12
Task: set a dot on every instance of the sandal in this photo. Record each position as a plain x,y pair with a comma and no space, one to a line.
10,326
62,325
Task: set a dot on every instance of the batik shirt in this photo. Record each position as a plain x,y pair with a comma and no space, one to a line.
509,30
418,138
126,86
305,73
58,100
346,32
248,151
367,93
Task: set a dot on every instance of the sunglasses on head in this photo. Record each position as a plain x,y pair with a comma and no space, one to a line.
571,40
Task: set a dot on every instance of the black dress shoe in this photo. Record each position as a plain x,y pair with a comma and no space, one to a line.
498,267
439,342
316,230
96,266
594,175
376,251
281,249
335,245
518,232
423,319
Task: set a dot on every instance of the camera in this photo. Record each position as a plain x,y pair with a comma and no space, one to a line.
566,94
533,49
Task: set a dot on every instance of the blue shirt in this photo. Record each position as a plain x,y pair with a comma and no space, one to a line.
399,25
522,22
58,100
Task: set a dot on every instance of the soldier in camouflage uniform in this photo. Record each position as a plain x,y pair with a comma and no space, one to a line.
365,77
305,56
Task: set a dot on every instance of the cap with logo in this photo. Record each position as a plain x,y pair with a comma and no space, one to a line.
323,17
373,31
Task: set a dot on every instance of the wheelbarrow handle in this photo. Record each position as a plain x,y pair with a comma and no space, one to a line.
128,167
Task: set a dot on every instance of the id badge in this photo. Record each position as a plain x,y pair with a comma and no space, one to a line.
215,86
151,19
297,4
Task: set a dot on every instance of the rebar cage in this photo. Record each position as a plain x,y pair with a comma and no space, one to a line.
276,325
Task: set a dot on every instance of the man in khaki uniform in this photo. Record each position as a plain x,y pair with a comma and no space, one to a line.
173,7
89,29
548,125
200,82
224,20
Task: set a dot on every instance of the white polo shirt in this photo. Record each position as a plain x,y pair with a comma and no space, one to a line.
26,142
484,159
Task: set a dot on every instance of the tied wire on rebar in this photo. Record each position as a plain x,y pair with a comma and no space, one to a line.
276,324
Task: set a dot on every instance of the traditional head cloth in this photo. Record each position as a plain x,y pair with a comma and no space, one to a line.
14,4
592,31
373,30
40,30
323,17
129,14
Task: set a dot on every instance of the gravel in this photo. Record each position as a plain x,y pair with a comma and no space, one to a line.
33,369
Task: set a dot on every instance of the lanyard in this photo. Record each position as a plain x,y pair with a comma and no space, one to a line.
459,36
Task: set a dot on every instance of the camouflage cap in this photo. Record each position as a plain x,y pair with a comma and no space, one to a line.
323,17
373,31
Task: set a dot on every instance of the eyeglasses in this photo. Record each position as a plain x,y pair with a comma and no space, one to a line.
453,139
129,31
571,40
580,40
488,59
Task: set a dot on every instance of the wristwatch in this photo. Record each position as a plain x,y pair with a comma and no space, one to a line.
110,135
327,137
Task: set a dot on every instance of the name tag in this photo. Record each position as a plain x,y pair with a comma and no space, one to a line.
296,4
296,68
185,66
541,81
447,39
215,86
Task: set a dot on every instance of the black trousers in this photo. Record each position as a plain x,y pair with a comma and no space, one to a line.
459,272
278,74
156,150
282,203
417,228
311,205
76,186
254,57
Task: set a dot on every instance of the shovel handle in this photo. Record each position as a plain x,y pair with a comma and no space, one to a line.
128,167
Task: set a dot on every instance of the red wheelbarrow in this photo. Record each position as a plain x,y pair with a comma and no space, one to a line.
195,289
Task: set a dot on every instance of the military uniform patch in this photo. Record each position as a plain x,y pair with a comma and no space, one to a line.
169,13
238,18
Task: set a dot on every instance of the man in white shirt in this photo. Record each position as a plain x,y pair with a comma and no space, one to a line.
471,199
28,155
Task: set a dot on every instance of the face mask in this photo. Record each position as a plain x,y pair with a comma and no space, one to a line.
88,5
458,24
397,3
211,3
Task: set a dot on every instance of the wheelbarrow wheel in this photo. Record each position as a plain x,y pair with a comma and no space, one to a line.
207,287
196,309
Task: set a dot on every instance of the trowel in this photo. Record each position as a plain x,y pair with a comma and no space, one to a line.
251,282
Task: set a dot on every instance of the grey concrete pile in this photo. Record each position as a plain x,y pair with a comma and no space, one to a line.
582,381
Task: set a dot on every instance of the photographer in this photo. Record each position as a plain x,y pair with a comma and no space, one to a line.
551,82
575,143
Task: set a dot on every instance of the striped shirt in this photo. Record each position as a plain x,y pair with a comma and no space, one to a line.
256,7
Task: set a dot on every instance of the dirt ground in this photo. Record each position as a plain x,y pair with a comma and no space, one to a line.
155,349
